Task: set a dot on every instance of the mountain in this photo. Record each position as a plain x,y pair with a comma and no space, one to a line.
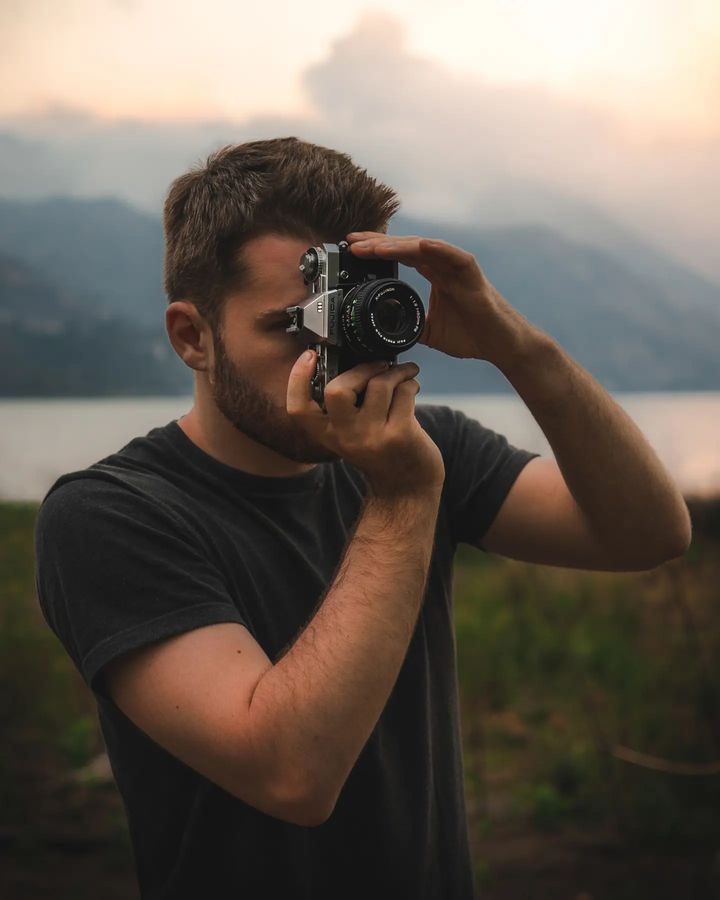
635,327
516,202
51,346
105,253
521,157
634,319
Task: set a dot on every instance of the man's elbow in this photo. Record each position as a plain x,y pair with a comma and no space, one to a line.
679,547
675,546
313,813
645,554
309,805
298,809
682,535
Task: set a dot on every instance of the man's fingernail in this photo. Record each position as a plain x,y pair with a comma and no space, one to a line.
307,355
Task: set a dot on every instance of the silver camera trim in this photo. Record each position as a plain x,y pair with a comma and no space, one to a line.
316,320
318,312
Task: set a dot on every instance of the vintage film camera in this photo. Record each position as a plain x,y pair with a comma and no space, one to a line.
356,310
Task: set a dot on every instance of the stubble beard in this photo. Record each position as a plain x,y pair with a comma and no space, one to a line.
252,411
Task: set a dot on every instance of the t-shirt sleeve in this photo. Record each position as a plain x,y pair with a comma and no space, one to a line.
480,468
116,570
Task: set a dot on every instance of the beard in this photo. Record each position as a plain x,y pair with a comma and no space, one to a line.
253,412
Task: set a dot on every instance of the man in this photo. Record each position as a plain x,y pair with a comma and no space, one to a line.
259,594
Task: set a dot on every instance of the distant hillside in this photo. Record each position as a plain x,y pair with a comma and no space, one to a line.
633,332
106,254
633,319
50,346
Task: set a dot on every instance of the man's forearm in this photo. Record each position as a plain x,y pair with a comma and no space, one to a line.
613,473
319,703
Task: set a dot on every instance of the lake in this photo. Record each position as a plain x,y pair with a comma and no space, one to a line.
41,439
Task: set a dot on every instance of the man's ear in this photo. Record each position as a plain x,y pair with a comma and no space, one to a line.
190,335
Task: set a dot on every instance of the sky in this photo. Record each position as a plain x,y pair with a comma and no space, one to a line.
582,115
654,62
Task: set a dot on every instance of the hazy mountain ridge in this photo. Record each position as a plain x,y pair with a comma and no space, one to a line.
107,254
632,332
82,304
50,345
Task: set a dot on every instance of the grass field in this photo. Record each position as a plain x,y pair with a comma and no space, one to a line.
591,725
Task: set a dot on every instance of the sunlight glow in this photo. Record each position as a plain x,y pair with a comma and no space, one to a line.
654,61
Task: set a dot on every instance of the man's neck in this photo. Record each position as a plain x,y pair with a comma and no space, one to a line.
213,434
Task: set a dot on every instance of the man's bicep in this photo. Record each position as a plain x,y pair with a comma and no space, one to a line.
192,694
541,522
116,571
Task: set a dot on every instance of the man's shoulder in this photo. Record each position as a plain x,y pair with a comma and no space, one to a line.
94,483
101,482
435,414
441,422
89,507
80,493
120,482
134,467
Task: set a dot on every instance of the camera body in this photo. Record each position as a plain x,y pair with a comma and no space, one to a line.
356,310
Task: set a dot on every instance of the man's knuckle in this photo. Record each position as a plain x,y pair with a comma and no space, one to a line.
409,385
378,389
337,400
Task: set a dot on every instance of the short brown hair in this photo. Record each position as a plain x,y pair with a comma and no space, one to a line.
284,186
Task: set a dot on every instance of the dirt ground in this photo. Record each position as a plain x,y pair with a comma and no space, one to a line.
74,846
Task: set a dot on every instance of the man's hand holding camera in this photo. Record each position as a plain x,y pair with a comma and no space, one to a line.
467,317
382,438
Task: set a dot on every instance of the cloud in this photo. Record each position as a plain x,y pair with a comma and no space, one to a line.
462,130
453,146
470,149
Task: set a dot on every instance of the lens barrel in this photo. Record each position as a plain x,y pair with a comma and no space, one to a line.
382,317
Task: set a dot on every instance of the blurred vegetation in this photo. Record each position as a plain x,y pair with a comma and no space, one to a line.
51,811
560,668
562,672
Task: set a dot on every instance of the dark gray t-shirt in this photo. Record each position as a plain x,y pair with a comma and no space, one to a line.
160,538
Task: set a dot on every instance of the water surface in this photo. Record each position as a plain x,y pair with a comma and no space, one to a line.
41,439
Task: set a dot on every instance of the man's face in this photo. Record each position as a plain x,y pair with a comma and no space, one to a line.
254,354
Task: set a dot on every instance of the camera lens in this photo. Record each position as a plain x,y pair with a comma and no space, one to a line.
390,316
382,316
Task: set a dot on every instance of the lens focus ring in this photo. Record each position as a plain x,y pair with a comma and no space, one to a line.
382,316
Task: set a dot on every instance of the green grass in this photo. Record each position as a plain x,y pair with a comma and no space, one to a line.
47,716
556,668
